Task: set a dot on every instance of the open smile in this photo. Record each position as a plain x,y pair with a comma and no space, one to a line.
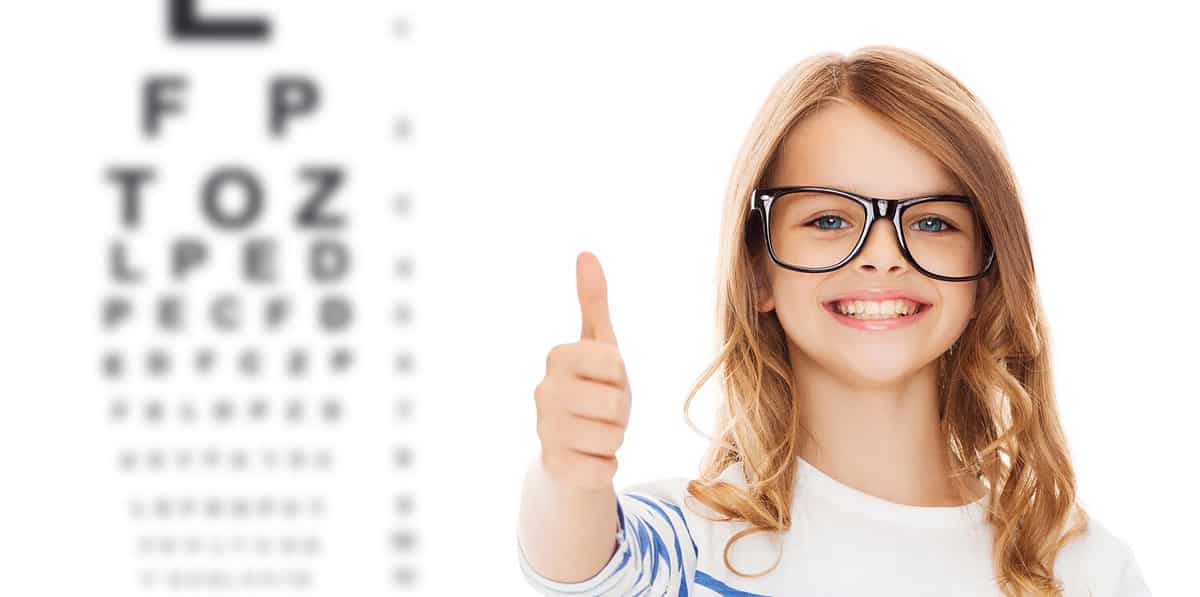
877,315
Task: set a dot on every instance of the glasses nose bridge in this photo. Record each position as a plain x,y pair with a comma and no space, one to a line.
882,209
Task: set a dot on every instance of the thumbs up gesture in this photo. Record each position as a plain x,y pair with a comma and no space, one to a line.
583,401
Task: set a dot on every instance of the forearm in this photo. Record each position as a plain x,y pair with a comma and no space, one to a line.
567,534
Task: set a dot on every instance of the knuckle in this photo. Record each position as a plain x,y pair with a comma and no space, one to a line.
613,354
609,441
543,392
618,365
619,438
613,405
607,438
621,416
554,357
609,359
599,439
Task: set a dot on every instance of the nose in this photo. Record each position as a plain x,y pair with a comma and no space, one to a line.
881,251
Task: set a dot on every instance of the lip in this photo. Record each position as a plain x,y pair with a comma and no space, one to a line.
890,323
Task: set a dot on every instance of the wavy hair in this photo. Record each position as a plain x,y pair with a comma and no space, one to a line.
995,396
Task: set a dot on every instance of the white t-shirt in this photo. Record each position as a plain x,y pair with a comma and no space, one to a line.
842,542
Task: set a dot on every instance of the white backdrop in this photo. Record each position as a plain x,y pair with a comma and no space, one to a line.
541,129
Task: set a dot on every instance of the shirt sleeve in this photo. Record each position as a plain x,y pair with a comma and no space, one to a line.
655,554
1131,583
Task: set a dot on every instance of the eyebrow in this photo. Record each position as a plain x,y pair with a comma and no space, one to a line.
944,190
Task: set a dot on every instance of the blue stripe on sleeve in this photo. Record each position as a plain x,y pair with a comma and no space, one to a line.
720,588
695,550
634,569
678,551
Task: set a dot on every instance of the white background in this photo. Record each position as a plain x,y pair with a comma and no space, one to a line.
546,128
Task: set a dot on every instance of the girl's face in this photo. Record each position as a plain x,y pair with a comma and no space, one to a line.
851,148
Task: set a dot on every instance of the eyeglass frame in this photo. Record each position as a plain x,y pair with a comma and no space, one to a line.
876,208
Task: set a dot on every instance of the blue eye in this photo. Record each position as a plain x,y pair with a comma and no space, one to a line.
827,219
945,225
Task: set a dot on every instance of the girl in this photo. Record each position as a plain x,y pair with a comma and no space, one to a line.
888,424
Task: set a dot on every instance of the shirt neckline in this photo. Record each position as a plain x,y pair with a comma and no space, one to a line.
811,478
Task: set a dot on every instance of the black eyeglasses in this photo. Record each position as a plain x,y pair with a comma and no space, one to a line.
959,247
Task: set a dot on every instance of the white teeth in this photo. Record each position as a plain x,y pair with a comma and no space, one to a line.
876,309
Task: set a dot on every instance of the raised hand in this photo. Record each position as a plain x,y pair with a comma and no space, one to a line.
583,402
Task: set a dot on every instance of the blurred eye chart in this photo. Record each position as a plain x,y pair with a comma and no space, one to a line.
246,379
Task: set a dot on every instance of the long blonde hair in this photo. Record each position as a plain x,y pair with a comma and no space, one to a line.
996,397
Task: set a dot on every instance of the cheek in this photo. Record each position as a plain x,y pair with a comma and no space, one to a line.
796,302
957,302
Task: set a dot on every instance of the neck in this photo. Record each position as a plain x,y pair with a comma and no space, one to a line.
882,439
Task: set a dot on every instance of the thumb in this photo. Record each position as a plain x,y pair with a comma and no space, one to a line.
593,299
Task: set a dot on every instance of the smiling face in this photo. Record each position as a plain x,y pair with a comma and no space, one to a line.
845,146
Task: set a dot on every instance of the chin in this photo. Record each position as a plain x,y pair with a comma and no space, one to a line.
883,373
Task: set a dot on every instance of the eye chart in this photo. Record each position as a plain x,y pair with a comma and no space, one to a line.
258,358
